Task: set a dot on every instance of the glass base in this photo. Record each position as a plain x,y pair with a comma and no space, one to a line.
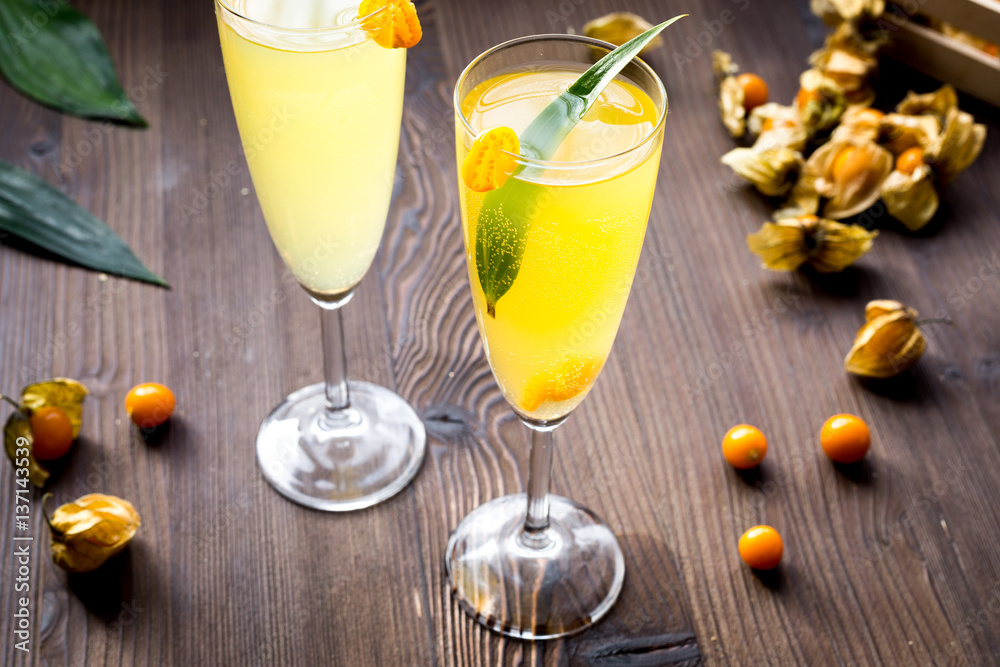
345,460
553,584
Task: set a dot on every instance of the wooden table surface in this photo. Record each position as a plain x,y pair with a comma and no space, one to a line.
891,562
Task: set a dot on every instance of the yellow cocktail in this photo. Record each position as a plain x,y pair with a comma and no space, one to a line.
317,89
552,331
556,184
320,125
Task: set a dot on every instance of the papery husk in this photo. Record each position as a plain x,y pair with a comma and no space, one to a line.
826,245
786,130
18,426
771,171
835,12
956,147
87,532
821,114
849,196
898,132
858,125
850,62
803,200
620,27
911,199
889,343
731,99
63,393
938,102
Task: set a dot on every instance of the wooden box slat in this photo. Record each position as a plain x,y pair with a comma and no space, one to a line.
980,17
965,67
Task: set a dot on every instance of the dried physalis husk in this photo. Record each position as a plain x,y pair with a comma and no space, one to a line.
62,393
820,101
803,200
771,171
888,343
826,245
850,62
911,198
956,147
834,12
937,103
858,124
731,107
90,530
898,132
849,175
620,27
777,126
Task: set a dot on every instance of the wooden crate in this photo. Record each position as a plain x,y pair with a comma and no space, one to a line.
966,67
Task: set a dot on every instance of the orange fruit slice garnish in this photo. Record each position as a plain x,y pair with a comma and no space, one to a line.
569,379
391,23
491,159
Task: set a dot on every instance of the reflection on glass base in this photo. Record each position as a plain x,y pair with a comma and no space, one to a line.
341,461
513,587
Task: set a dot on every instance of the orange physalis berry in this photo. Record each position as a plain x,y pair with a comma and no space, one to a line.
150,404
850,164
909,160
845,438
393,24
744,446
805,97
561,384
51,433
761,548
491,159
754,90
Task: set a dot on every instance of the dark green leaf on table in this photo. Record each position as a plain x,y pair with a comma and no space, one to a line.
35,211
55,55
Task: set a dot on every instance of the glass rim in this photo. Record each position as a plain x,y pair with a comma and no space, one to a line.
564,164
324,30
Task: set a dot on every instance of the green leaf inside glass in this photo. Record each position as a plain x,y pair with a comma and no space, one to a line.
501,229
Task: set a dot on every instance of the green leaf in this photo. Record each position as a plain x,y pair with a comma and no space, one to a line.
55,55
501,229
35,211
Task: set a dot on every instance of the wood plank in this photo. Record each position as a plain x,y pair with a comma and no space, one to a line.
890,562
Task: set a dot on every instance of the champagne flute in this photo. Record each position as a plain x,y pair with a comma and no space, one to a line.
564,246
319,105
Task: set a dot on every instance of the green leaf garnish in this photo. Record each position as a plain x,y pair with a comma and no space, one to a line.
55,55
35,211
501,229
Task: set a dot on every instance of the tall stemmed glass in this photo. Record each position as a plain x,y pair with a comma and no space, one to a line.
319,105
565,248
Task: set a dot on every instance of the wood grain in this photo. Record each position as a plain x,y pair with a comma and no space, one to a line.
890,562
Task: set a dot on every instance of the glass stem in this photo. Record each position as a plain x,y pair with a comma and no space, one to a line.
338,398
536,521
